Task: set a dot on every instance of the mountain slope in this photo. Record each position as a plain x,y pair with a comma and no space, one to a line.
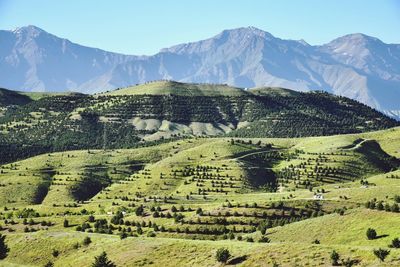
356,66
8,98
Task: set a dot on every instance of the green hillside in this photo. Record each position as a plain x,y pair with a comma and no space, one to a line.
9,98
288,201
160,111
39,95
273,91
177,88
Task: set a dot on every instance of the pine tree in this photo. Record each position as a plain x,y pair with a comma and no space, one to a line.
222,255
103,261
335,258
371,233
3,247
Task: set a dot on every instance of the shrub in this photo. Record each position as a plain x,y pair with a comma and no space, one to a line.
349,262
371,234
55,253
91,218
151,234
87,241
395,243
335,258
139,211
222,255
249,239
381,254
264,239
123,235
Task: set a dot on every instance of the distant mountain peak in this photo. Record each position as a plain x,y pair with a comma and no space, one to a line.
250,31
355,65
30,29
354,39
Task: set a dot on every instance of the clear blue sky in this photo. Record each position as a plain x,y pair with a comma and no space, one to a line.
144,27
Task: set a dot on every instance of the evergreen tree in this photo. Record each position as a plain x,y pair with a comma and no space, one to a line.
371,234
222,255
103,261
3,247
335,258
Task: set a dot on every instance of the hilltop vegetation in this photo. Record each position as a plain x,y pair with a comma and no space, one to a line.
286,201
177,88
156,111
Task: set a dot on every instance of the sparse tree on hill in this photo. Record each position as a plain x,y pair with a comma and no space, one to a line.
371,234
3,247
222,255
335,258
103,261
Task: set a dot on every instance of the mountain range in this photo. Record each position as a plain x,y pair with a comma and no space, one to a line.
356,65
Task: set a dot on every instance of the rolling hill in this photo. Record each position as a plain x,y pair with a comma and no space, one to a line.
160,110
176,203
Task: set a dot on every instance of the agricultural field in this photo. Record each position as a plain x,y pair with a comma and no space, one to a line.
268,201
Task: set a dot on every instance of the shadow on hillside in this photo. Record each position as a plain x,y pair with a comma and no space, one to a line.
237,260
381,236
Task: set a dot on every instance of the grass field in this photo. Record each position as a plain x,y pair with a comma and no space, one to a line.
176,203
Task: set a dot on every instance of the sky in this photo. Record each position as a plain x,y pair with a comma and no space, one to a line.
144,27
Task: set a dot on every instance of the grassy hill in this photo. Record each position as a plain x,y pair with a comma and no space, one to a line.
39,95
177,88
130,117
175,203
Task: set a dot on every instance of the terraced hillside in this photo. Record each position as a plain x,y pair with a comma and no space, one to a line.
127,118
282,201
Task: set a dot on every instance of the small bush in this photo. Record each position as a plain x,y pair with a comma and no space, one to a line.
55,253
87,241
335,258
371,234
381,254
395,243
222,255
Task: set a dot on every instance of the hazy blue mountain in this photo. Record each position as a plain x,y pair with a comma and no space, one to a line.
34,60
357,66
